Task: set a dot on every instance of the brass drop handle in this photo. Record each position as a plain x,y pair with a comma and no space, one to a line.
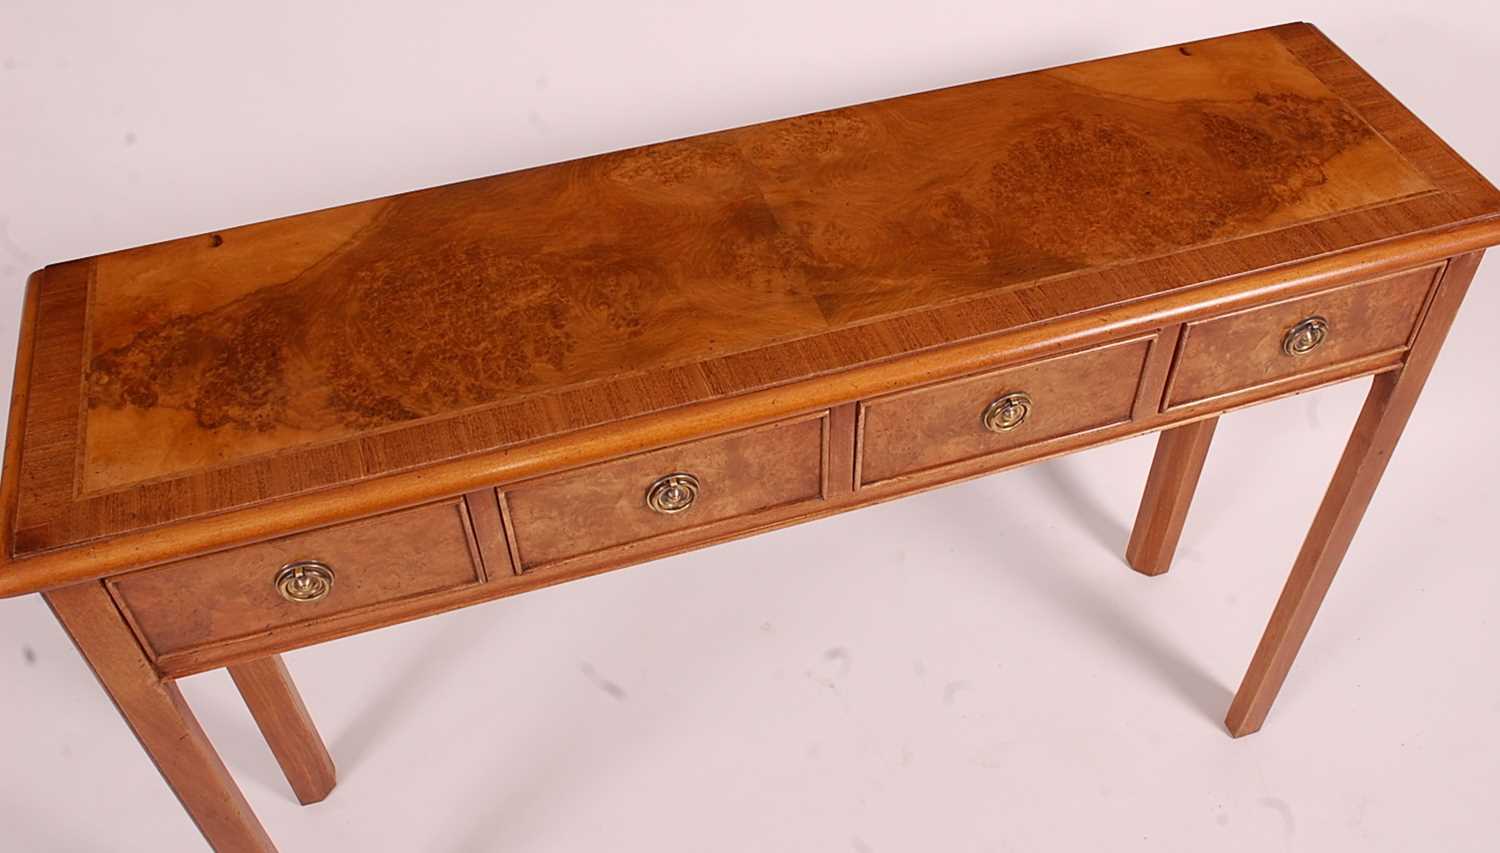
673,493
1304,337
305,580
1008,412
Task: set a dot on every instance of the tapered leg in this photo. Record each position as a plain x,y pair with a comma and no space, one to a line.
161,720
1169,492
1384,416
283,719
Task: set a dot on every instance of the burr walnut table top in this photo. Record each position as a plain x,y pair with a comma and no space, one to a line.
227,386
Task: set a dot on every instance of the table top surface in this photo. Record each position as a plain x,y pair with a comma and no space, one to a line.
225,370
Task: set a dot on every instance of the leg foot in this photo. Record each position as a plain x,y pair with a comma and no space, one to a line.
1381,421
278,710
1180,453
161,720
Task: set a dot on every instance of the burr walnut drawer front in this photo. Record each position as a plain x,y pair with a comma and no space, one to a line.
300,579
1261,345
1000,410
651,500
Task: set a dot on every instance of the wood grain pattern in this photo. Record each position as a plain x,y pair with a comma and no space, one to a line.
924,428
376,561
434,302
1180,454
674,542
1389,404
1263,150
1243,349
279,712
603,506
600,443
154,709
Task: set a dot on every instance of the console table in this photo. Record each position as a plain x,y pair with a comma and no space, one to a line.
231,445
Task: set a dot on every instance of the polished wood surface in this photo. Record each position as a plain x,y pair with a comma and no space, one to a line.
465,393
376,561
690,272
690,537
155,711
205,351
602,506
924,428
1175,469
279,712
1389,404
1244,349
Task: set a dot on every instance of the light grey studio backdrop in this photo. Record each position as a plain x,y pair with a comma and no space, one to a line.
972,669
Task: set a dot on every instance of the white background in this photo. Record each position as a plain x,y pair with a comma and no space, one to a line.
972,669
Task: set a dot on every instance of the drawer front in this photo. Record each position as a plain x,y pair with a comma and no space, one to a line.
1259,345
233,594
912,431
608,505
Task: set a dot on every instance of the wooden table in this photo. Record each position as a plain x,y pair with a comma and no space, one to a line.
231,445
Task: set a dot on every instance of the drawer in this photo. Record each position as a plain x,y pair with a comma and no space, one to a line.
912,431
720,480
234,594
1261,345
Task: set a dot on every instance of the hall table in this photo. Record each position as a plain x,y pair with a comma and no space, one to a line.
228,446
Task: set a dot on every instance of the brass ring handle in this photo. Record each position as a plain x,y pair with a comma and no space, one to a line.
1304,337
673,493
1008,412
304,581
